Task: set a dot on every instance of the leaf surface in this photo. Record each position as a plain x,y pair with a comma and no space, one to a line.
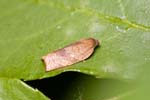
14,89
29,29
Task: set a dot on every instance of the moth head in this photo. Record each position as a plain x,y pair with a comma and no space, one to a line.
91,41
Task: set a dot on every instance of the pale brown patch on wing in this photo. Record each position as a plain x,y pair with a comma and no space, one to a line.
70,54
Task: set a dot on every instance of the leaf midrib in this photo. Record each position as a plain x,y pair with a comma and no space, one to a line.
90,11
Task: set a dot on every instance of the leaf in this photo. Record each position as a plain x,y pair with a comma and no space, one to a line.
84,87
14,89
30,29
102,89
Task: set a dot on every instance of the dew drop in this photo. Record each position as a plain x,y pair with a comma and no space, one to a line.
120,29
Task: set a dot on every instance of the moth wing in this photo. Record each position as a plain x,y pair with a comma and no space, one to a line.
58,59
71,54
79,51
86,55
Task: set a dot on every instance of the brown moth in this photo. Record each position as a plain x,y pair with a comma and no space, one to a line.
70,54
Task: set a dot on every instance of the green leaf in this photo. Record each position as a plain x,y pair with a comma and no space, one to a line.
84,87
32,28
14,89
29,29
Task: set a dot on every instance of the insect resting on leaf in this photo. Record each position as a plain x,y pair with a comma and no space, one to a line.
71,54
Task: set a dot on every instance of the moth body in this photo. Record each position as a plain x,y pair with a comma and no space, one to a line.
70,54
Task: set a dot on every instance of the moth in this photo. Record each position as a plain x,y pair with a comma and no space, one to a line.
71,54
